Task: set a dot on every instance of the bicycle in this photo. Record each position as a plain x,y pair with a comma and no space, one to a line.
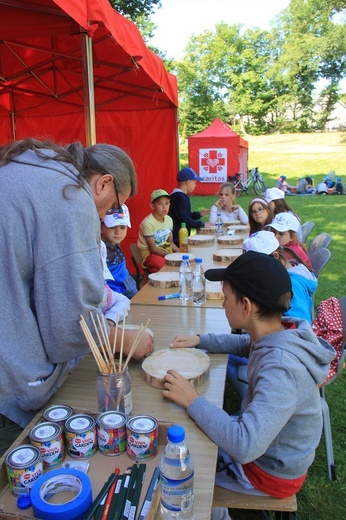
257,181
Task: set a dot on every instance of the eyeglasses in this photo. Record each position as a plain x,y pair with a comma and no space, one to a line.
255,211
118,209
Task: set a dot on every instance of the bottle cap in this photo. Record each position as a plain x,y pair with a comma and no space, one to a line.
24,502
198,260
185,257
183,224
176,433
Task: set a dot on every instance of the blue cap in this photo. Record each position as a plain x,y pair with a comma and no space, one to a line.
24,502
176,433
187,174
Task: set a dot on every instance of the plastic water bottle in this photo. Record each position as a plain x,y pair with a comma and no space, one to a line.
219,226
198,283
177,471
185,279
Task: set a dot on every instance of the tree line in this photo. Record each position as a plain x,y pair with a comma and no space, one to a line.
260,81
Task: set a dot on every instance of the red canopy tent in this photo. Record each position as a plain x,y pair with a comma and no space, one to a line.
216,153
78,70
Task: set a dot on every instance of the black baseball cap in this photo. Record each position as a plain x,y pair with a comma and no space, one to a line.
260,277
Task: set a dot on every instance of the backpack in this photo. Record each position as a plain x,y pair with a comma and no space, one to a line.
329,325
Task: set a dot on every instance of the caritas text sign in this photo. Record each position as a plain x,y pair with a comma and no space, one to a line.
213,164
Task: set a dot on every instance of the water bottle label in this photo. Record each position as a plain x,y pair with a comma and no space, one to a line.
177,495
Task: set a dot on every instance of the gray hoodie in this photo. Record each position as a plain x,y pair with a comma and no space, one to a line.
280,423
50,274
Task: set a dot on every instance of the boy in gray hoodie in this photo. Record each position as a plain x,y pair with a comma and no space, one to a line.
270,446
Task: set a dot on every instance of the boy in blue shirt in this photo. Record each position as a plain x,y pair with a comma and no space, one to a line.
113,231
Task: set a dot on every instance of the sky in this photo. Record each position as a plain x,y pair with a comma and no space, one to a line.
177,20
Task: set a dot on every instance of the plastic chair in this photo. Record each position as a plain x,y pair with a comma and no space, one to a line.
327,429
321,240
137,262
306,228
319,259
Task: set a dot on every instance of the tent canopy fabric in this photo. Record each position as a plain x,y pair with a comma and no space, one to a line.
216,153
43,87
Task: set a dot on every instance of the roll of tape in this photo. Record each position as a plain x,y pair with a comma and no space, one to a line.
55,482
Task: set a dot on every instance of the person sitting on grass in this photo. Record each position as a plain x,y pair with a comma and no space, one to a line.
268,448
180,209
155,239
260,214
113,231
285,226
225,205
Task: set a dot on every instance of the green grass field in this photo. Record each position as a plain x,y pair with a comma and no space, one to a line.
296,156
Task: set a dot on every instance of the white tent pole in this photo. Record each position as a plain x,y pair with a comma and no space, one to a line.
88,85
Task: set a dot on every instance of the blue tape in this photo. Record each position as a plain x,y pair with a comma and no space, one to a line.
57,481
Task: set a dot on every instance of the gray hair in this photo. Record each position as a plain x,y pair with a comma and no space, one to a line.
98,159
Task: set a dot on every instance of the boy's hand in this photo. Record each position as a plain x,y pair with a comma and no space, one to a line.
205,212
185,342
178,389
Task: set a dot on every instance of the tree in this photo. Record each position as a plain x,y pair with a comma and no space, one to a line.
313,49
135,8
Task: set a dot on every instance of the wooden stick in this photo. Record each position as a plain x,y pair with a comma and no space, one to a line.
136,343
115,335
93,347
122,342
108,345
98,336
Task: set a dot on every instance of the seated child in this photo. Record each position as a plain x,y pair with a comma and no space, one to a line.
225,205
277,203
286,227
113,231
268,449
304,282
155,239
180,208
114,305
260,214
339,187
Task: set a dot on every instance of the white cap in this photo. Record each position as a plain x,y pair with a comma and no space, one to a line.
261,242
285,222
273,194
118,219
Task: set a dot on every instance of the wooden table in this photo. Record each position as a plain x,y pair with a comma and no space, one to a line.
79,390
148,295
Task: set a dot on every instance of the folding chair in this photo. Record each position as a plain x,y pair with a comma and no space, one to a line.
306,228
321,240
137,262
319,259
338,368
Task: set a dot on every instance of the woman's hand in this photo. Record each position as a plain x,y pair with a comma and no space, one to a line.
185,342
178,389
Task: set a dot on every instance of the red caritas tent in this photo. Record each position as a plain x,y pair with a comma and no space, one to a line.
216,153
78,70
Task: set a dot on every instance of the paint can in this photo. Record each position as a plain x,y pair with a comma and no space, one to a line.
24,466
58,413
142,437
48,438
81,438
111,433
